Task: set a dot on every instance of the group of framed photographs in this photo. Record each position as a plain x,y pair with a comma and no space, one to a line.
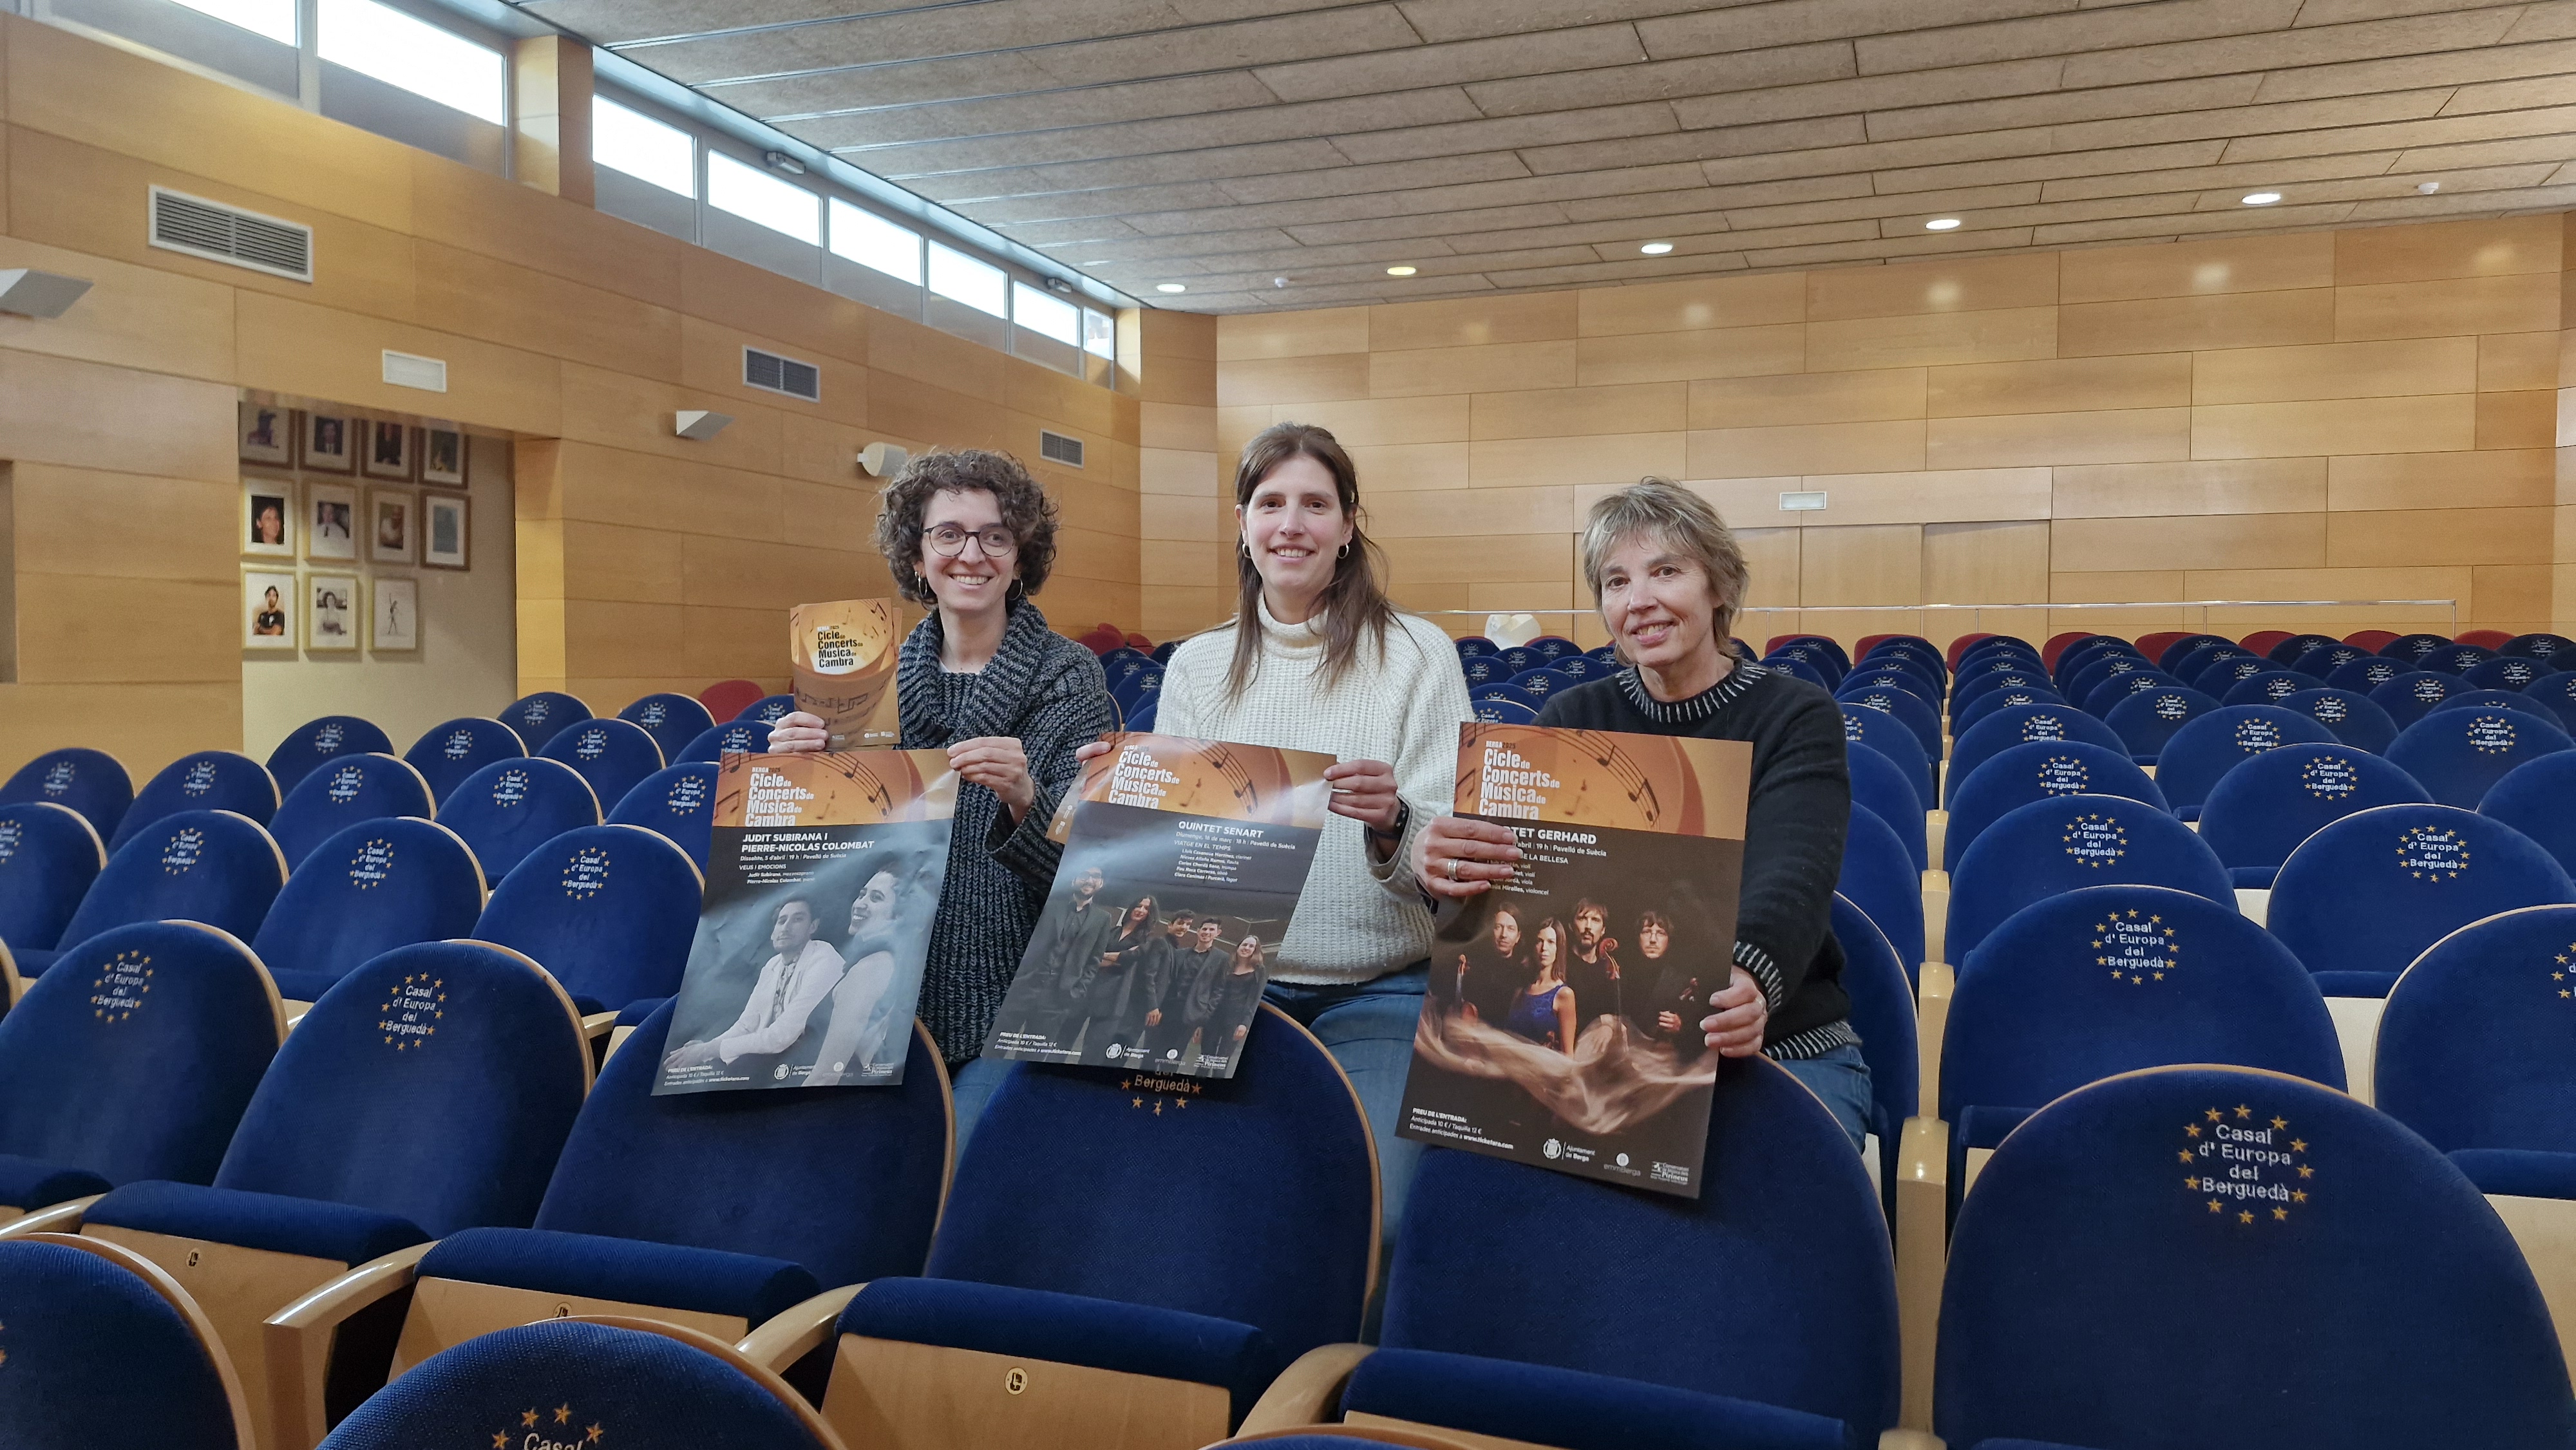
322,522
328,606
385,448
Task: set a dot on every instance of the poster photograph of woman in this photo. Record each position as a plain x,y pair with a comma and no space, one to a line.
1561,1024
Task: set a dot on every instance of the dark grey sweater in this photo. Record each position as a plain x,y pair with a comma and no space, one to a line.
1048,692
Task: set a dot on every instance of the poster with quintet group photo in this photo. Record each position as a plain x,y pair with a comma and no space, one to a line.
821,883
1183,860
1561,1026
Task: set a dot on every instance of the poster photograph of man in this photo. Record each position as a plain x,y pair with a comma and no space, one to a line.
1561,1023
807,964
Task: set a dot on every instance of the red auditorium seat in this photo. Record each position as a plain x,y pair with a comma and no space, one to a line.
2485,638
2153,646
1961,645
1867,642
2057,645
727,698
1137,641
2373,640
2262,640
1102,638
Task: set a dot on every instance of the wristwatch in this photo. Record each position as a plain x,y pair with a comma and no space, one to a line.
1403,818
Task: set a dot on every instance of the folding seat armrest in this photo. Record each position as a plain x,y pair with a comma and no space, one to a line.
1922,1256
798,1330
60,1218
596,1025
1307,1392
1935,983
1910,1440
298,1341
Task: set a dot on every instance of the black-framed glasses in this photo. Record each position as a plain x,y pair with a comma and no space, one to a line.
948,541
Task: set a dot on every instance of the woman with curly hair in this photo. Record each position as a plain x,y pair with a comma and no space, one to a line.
970,534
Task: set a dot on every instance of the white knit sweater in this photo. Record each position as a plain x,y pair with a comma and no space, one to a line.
1358,918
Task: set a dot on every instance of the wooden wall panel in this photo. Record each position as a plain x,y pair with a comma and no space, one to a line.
1992,563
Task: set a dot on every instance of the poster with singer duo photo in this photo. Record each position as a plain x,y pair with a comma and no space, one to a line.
822,880
1561,1026
1183,860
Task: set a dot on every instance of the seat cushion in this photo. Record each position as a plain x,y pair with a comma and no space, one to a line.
1069,1329
33,1183
2355,984
269,1221
665,1276
2519,1172
301,986
1574,1410
634,1013
1981,1126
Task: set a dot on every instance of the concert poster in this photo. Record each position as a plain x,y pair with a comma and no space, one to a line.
1183,860
823,877
1561,1025
842,657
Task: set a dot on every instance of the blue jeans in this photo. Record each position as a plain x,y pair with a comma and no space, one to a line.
1368,1028
1841,1078
969,1089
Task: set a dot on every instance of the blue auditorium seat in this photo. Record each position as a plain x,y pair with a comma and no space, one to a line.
769,709
133,1060
2454,659
1873,676
537,717
1974,686
2412,648
2477,1051
2409,697
1576,666
2557,690
324,741
508,809
1478,670
208,866
2079,684
49,855
1883,881
1504,712
2353,718
2201,753
2192,663
1964,718
1880,984
2147,719
210,780
1924,678
2259,812
1884,733
641,1385
2366,894
611,754
2321,662
679,802
2498,700
1162,1285
2290,649
1909,711
2223,676
91,782
2459,755
2538,798
1553,647
1475,645
2021,725
1811,671
1881,784
106,1352
2281,1314
2366,674
356,788
2269,687
1539,683
446,755
2111,692
374,886
1780,1271
608,911
2185,647
1515,658
2505,672
672,720
2538,646
748,737
2099,654
2037,770
2065,842
429,1092
1809,649
850,1184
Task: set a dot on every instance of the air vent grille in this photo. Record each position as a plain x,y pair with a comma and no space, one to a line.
219,233
771,373
1057,448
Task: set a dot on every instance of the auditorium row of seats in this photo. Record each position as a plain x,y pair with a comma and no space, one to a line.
1820,1308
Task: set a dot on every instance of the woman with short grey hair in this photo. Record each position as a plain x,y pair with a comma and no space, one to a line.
1669,577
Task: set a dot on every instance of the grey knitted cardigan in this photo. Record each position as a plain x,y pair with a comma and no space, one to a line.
1049,692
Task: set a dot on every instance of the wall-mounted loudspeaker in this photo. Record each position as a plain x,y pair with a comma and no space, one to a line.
884,460
700,424
30,293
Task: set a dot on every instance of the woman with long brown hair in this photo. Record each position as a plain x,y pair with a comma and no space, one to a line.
1317,658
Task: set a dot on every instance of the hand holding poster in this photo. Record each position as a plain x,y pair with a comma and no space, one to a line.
1561,1026
821,884
1183,860
843,657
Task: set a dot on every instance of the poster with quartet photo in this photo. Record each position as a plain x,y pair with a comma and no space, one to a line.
1561,1027
842,658
821,883
1183,860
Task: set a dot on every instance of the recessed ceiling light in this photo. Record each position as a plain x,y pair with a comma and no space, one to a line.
1656,249
1169,287
1399,271
2261,198
1942,224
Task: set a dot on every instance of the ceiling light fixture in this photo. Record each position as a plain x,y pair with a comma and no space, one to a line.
1169,287
1942,224
781,161
1399,271
1656,249
2261,198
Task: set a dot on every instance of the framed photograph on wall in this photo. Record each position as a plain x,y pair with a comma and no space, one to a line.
329,442
389,449
396,624
442,455
330,521
267,435
444,535
268,517
268,609
393,517
330,612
